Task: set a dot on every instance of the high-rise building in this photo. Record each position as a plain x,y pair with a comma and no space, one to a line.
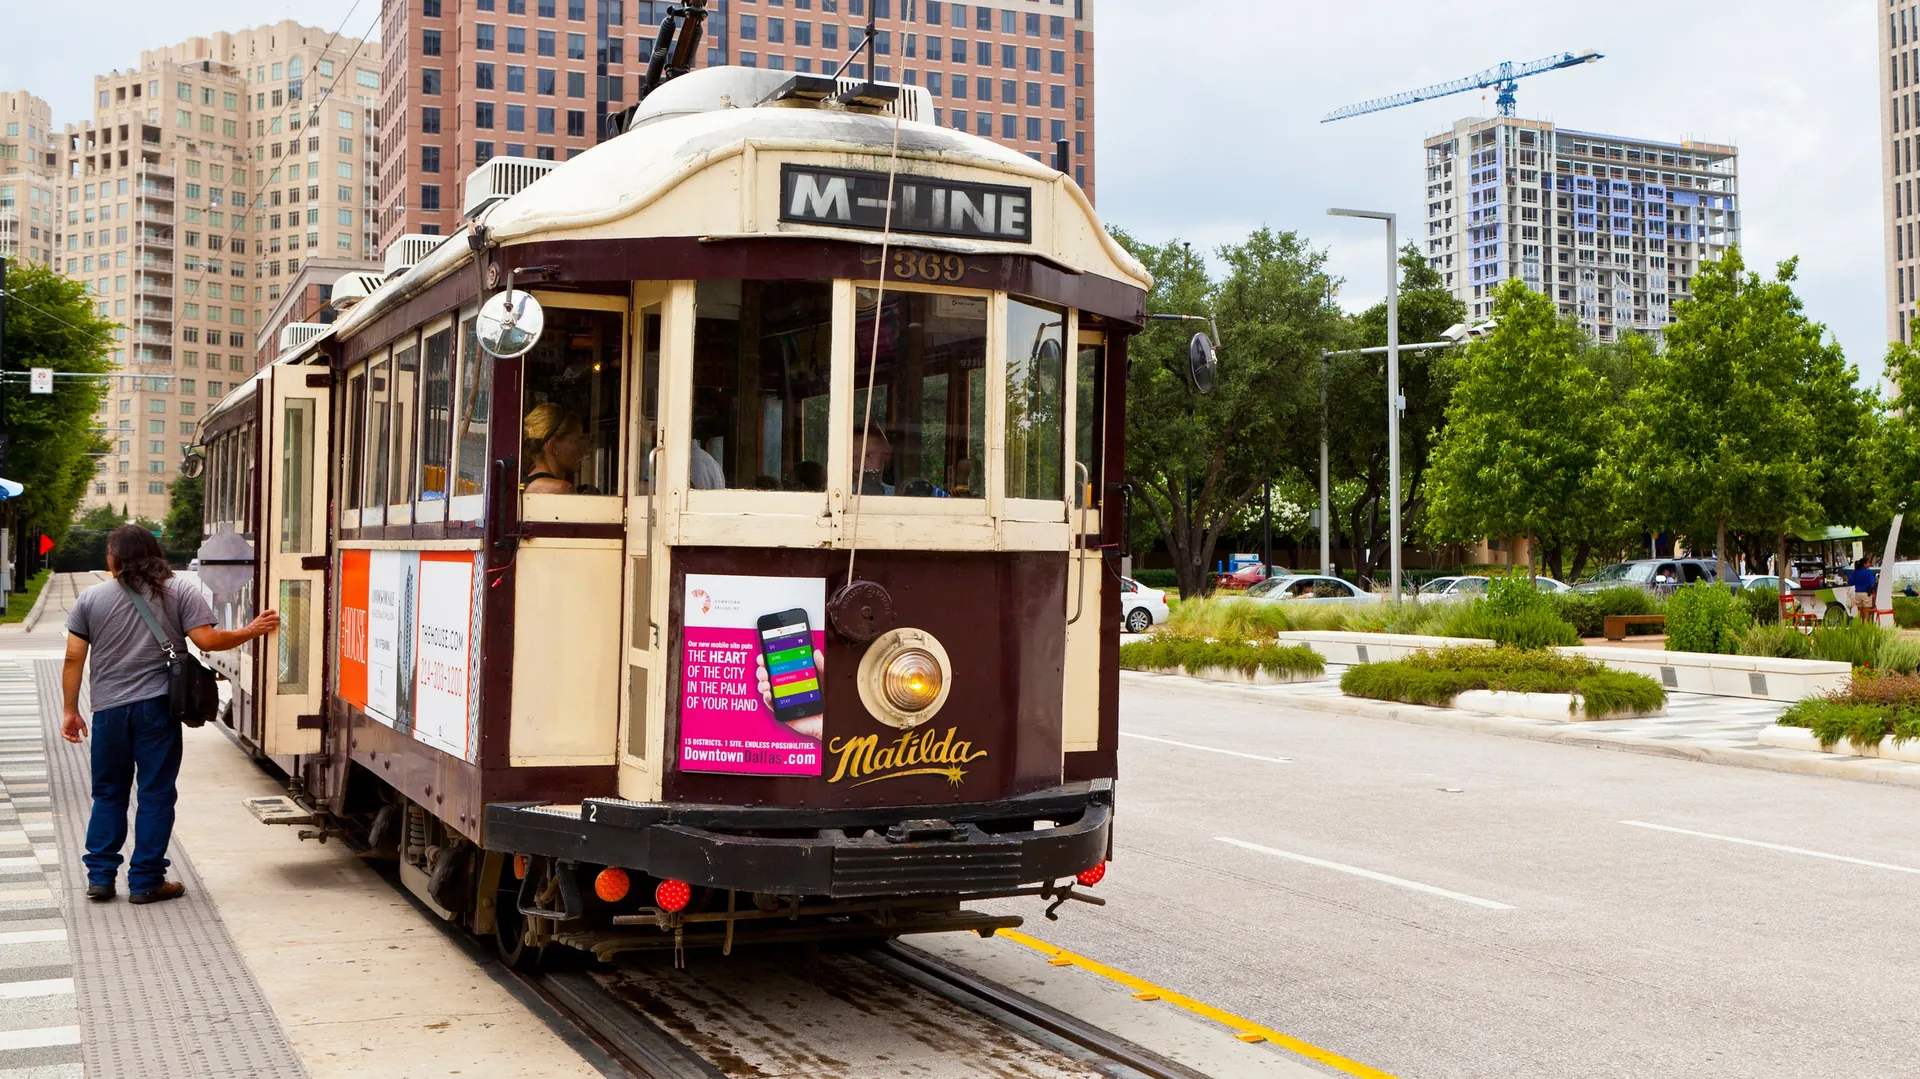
1019,72
537,78
1899,111
204,178
29,173
1612,228
467,81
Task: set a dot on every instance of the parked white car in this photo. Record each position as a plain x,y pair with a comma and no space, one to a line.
1302,588
1141,608
1453,588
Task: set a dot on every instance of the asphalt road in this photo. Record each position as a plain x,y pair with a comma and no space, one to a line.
1478,907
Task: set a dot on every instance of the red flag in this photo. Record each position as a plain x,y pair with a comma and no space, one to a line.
46,543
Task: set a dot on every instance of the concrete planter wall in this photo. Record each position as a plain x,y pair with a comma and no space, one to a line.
1262,677
1802,738
1337,646
1752,677
1551,706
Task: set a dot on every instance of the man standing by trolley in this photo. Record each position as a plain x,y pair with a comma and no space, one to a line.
134,733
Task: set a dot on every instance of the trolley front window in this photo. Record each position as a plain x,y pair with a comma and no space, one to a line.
762,357
926,433
1036,400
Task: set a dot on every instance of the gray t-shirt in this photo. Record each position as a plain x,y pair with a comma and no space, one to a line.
126,663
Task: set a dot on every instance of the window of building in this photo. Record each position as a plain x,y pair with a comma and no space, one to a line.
430,81
576,84
429,162
576,46
545,42
483,114
429,196
577,123
483,150
543,120
483,36
545,81
516,39
516,79
429,42
516,117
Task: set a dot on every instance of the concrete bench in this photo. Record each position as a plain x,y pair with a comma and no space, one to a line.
1614,626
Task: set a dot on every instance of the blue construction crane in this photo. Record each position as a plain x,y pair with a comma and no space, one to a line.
1502,77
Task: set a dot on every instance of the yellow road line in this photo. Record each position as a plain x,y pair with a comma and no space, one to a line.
1244,1029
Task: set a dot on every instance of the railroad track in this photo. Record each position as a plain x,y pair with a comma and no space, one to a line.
857,1014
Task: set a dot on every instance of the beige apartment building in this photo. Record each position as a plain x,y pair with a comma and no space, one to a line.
1899,111
29,179
466,80
204,179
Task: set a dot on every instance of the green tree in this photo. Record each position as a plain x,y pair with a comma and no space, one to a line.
182,526
50,323
85,547
1198,460
1357,410
1750,419
1527,427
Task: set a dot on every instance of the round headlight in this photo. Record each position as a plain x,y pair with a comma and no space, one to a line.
911,679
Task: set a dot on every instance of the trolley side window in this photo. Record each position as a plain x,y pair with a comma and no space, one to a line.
1036,400
1089,413
926,429
570,421
351,478
475,407
378,434
403,411
436,415
762,366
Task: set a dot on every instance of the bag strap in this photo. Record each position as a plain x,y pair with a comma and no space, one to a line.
153,624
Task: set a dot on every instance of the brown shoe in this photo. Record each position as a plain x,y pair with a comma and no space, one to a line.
172,889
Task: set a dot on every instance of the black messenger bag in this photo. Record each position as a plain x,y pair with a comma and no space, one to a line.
193,697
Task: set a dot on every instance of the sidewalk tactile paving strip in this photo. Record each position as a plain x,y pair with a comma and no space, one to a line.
161,989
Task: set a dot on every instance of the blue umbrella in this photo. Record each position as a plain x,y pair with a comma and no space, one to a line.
10,489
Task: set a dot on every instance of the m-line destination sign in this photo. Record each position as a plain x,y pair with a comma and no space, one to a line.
855,199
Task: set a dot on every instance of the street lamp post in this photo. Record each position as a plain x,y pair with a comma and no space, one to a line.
1393,383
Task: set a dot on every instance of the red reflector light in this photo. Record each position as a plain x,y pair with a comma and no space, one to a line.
519,867
1091,877
672,895
611,884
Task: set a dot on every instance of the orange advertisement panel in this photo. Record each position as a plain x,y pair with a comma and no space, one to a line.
353,627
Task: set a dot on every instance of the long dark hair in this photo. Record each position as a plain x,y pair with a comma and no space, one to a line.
137,559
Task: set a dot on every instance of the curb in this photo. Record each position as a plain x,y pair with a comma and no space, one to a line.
40,603
1789,761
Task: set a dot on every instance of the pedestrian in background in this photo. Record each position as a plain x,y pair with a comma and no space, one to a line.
1865,583
134,733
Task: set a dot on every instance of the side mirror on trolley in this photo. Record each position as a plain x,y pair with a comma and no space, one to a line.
510,324
1201,363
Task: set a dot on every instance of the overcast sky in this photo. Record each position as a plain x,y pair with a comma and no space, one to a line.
1208,113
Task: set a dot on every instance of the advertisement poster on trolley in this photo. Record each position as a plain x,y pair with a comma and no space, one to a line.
442,650
408,637
752,700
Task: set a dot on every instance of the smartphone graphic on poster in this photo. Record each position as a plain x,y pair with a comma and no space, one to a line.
786,644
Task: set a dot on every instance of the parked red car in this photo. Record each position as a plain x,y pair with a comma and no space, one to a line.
1247,576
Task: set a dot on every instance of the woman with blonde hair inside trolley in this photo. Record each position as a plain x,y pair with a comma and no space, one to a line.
552,442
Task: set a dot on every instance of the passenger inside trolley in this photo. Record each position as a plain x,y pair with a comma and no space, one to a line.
555,440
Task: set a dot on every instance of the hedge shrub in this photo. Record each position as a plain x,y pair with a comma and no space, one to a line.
1164,650
1778,641
1439,676
1762,604
1906,612
1587,611
1705,617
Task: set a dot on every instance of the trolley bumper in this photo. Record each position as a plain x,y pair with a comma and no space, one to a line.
952,849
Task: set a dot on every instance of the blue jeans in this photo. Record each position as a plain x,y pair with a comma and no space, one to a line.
133,739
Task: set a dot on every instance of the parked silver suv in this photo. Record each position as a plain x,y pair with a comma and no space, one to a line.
1658,575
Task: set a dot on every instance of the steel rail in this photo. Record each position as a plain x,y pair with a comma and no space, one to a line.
959,985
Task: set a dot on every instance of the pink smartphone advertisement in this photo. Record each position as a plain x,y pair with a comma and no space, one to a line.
752,701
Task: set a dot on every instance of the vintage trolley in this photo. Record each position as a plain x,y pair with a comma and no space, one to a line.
754,577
